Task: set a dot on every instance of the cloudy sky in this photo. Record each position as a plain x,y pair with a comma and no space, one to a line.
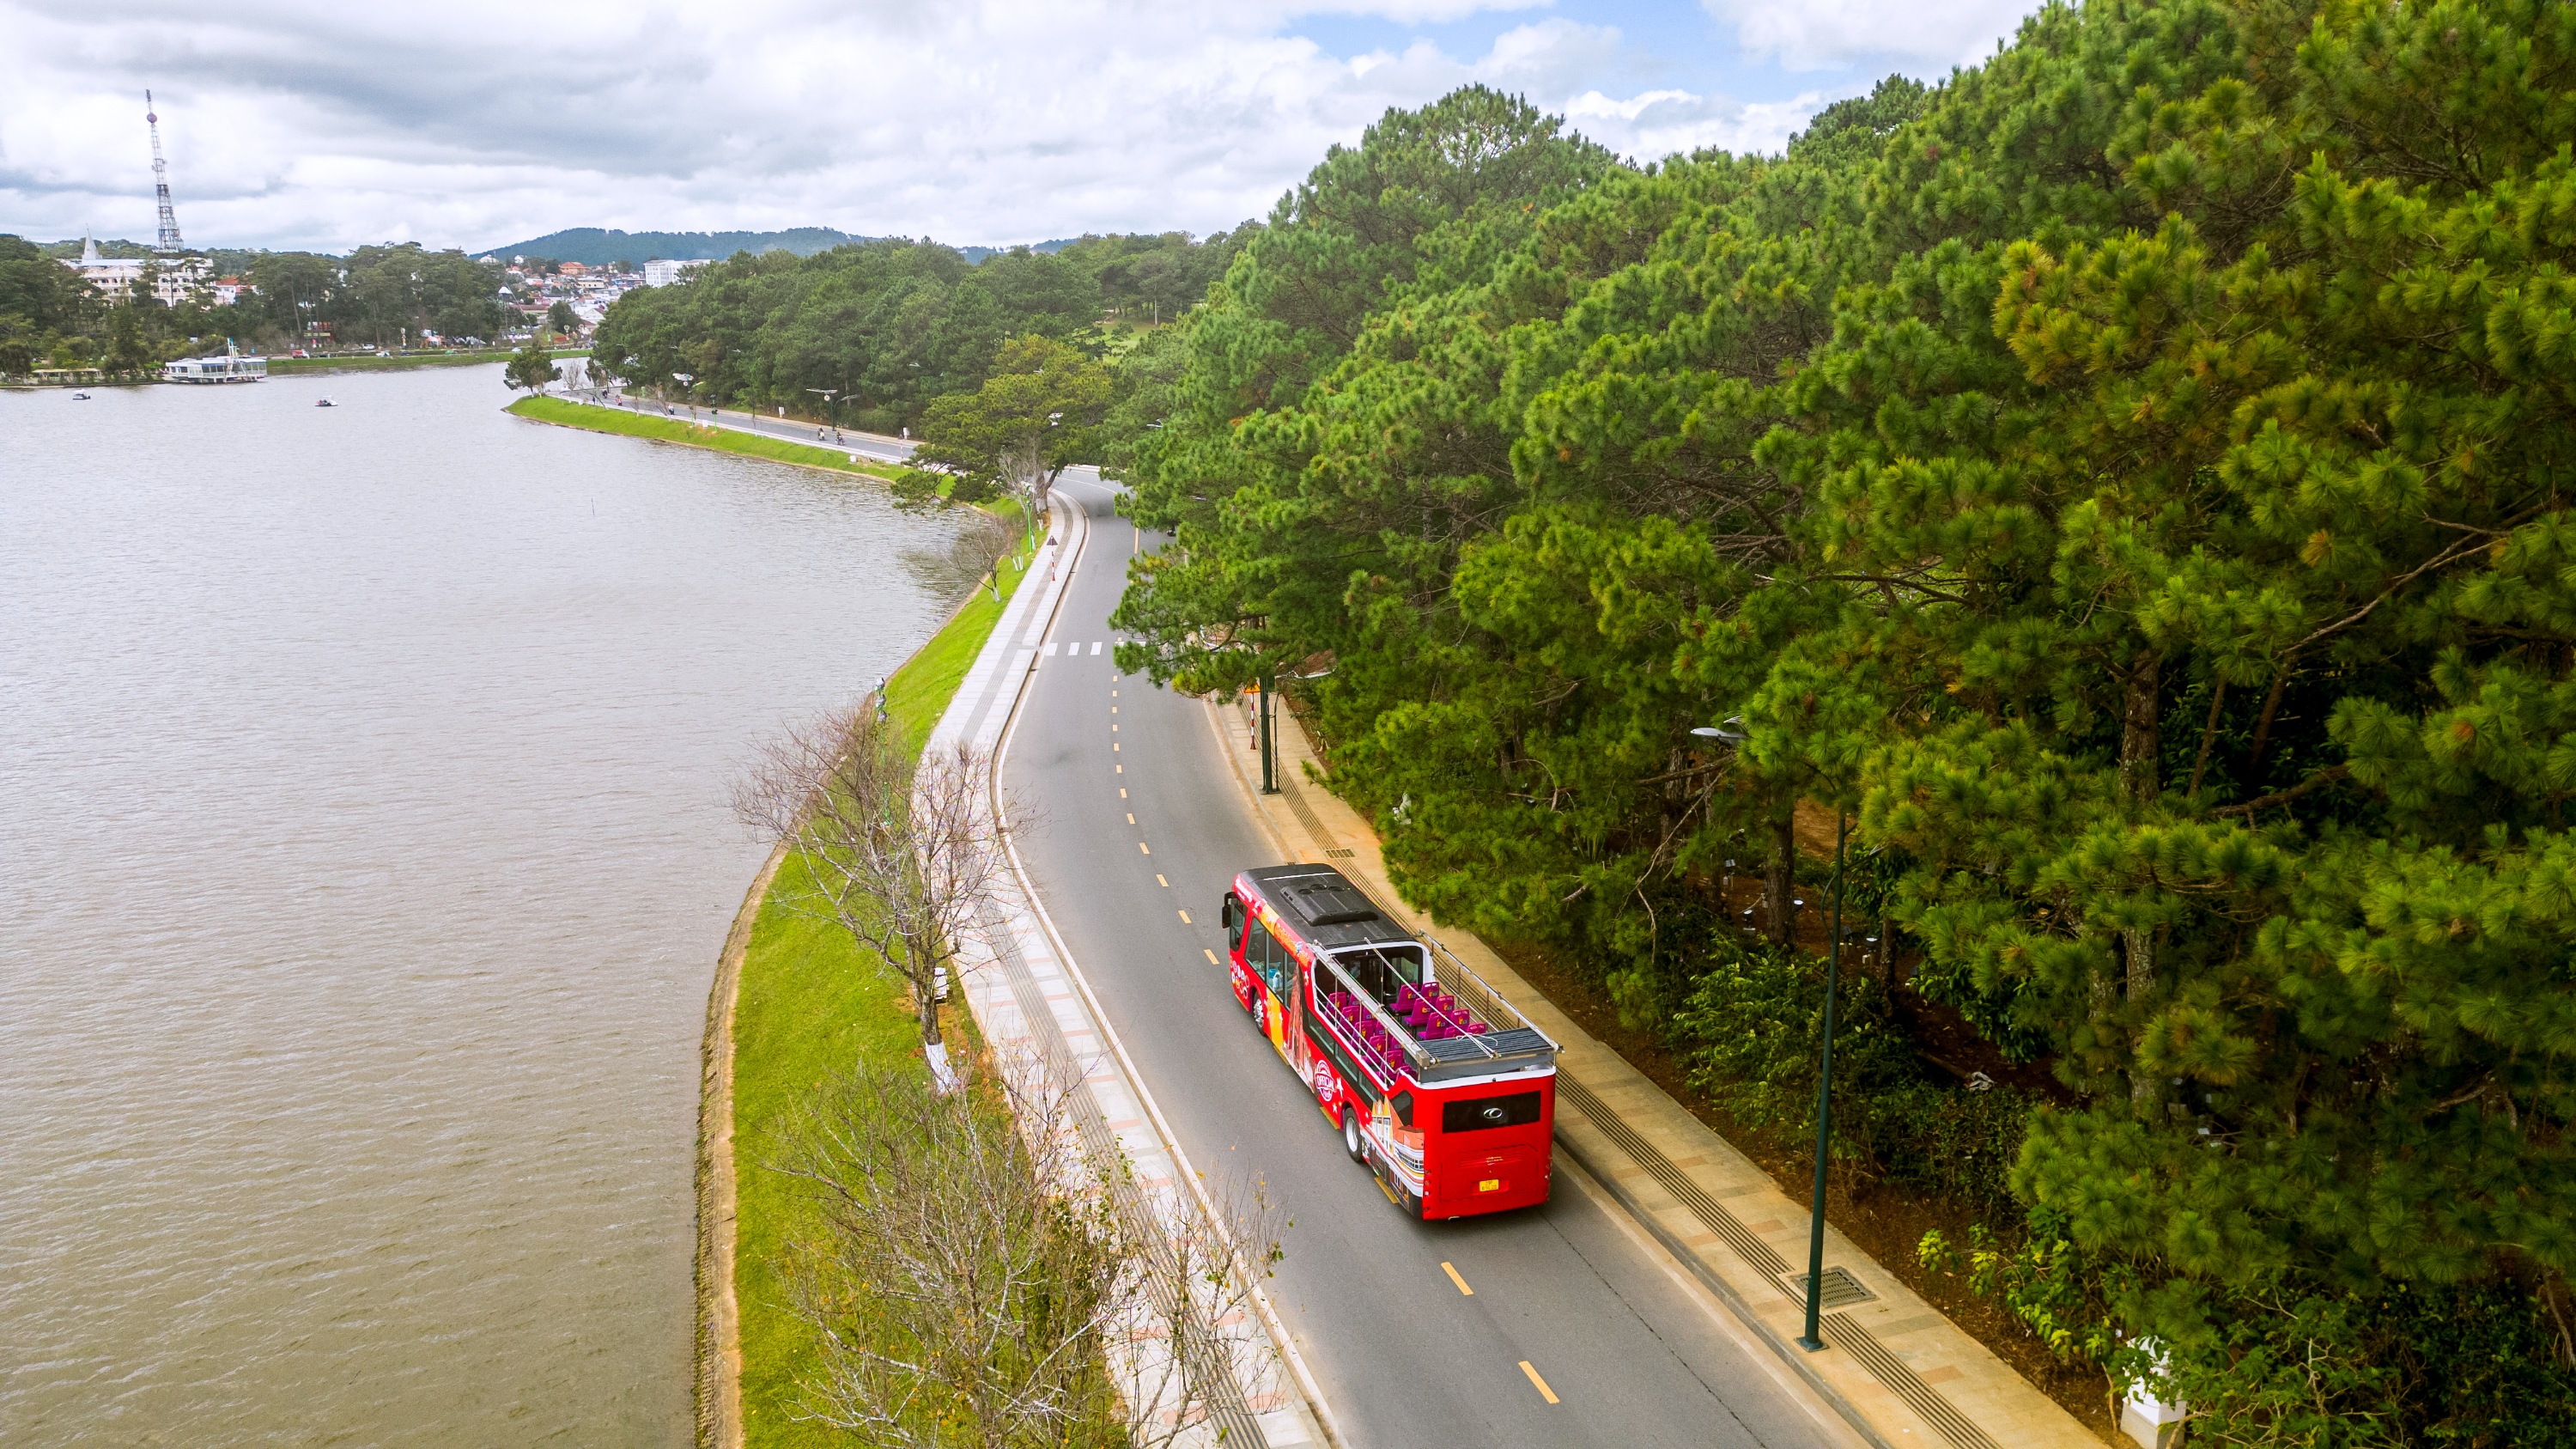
474,124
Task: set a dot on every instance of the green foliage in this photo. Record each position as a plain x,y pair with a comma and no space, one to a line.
1752,1030
2133,476
1033,416
892,324
532,367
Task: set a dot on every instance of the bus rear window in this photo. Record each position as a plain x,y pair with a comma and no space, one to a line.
1476,1114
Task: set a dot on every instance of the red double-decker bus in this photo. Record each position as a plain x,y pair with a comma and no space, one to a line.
1441,1089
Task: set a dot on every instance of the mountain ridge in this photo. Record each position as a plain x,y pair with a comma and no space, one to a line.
597,246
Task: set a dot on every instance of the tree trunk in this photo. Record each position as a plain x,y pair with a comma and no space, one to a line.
2139,745
1779,876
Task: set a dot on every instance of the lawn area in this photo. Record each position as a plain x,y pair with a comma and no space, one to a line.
698,435
368,362
811,1003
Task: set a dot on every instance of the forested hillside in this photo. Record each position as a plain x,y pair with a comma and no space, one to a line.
892,324
2132,479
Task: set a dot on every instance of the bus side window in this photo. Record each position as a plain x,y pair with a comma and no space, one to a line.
1274,957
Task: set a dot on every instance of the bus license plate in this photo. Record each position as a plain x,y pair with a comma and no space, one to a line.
1491,1184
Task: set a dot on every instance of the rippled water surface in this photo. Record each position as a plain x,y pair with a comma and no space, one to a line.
364,859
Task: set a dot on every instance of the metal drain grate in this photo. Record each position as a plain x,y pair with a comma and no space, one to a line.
1842,1290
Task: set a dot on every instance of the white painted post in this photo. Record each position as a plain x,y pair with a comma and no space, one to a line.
2147,1420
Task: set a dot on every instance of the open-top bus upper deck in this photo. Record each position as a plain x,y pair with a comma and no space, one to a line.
1433,1020
1438,1084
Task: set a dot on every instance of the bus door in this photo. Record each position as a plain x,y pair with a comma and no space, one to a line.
1268,957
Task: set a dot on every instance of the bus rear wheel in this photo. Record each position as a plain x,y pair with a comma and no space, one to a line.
1351,1135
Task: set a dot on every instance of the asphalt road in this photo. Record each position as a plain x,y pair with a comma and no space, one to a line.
1139,822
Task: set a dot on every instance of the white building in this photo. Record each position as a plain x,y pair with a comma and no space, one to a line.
174,279
664,273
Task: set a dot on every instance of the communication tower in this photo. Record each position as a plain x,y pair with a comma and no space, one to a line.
169,241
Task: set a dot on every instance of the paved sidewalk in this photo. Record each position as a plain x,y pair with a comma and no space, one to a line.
1898,1371
870,447
1047,1033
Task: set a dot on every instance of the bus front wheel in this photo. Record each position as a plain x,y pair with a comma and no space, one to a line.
1351,1135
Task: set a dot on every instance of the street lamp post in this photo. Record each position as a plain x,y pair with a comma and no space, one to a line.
829,410
1732,732
1811,1340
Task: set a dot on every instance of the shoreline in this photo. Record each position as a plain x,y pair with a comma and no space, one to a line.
619,423
717,1373
716,1385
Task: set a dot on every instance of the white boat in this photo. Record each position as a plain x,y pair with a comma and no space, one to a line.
231,367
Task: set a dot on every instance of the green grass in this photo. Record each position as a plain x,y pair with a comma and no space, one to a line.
919,692
696,435
812,1003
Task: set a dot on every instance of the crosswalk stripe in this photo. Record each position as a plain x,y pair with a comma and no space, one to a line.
1049,651
1095,646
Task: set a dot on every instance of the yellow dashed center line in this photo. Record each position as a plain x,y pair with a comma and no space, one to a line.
1211,955
1122,792
1142,847
1131,817
1454,1278
1158,880
1185,918
1122,769
1544,1391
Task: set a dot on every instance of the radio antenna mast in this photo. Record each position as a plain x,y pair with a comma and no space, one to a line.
169,241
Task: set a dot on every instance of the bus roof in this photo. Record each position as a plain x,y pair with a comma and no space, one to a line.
1325,907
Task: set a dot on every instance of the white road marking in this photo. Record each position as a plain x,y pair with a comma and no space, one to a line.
1095,646
1049,649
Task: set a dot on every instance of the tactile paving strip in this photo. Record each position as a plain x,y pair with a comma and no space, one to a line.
1888,1369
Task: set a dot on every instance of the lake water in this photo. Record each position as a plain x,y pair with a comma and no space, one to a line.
364,860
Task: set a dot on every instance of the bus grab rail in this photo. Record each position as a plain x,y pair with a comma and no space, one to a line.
1397,1031
1492,999
1494,1005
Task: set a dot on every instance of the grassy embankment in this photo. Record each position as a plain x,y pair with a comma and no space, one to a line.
700,435
812,1003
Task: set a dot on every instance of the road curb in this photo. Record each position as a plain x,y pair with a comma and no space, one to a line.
1309,1396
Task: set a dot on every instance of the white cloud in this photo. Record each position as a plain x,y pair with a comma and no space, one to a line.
1922,36
479,123
1661,123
